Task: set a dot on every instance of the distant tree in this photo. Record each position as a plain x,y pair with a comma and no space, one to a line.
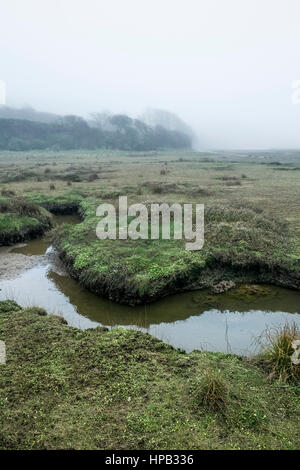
101,121
73,132
28,113
166,119
73,122
16,143
121,121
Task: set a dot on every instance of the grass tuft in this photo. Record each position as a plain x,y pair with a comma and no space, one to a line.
212,392
279,350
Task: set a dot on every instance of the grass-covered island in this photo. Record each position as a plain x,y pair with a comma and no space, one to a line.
243,243
97,389
21,220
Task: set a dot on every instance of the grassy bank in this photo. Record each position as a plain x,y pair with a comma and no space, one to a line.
21,220
66,203
252,229
243,243
96,389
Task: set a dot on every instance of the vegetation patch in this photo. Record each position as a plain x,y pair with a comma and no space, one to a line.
174,188
211,391
64,388
73,132
242,244
65,203
278,351
21,220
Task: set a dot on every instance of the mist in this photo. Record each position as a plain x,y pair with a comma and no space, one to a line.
225,67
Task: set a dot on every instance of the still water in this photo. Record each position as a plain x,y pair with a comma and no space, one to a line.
229,322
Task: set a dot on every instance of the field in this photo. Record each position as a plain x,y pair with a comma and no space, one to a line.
120,389
251,216
96,389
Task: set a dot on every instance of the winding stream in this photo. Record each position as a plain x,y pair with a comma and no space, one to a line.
32,274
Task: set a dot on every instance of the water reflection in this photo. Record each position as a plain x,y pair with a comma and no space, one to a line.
228,322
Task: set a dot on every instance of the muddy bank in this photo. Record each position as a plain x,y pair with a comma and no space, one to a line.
12,263
61,208
24,233
19,257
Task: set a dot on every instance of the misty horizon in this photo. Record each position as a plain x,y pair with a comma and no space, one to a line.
226,69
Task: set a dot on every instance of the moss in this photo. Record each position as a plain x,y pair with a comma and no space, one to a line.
64,388
247,290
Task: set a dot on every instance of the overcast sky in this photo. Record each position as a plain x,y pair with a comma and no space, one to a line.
225,66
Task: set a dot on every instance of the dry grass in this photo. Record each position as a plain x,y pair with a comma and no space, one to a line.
212,392
277,355
19,206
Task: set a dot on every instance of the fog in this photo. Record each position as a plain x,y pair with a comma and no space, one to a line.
226,67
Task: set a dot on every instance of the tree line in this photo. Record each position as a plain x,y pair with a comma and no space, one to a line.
73,132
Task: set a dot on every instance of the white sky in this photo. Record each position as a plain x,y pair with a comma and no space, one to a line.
225,66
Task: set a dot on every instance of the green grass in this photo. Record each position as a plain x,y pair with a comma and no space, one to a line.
252,230
67,388
65,203
211,392
21,220
241,242
121,389
278,352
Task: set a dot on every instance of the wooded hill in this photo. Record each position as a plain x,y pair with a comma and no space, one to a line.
72,132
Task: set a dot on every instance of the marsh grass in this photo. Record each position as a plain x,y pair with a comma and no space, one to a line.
7,193
278,350
212,391
65,388
250,230
19,206
21,220
239,241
